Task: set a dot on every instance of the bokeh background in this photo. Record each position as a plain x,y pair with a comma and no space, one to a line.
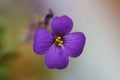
98,19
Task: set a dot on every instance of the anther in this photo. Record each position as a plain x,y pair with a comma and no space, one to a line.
59,44
58,37
57,40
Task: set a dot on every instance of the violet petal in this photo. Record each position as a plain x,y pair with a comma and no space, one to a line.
55,58
43,39
74,44
61,25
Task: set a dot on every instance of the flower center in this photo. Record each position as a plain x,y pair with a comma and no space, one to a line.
58,41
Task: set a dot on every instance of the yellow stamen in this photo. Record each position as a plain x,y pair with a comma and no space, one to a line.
59,44
58,37
58,41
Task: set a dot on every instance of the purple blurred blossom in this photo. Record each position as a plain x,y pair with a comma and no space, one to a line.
42,24
59,44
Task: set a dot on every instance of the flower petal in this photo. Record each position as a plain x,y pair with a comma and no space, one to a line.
61,25
55,58
43,39
74,44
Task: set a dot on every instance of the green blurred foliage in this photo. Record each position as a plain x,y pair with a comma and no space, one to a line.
2,34
7,56
17,60
3,73
6,52
2,31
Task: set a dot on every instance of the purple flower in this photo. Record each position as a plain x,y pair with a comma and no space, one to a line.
59,44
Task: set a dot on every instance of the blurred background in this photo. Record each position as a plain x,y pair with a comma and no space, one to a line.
98,19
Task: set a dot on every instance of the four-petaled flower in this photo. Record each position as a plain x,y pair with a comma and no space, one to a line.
58,44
